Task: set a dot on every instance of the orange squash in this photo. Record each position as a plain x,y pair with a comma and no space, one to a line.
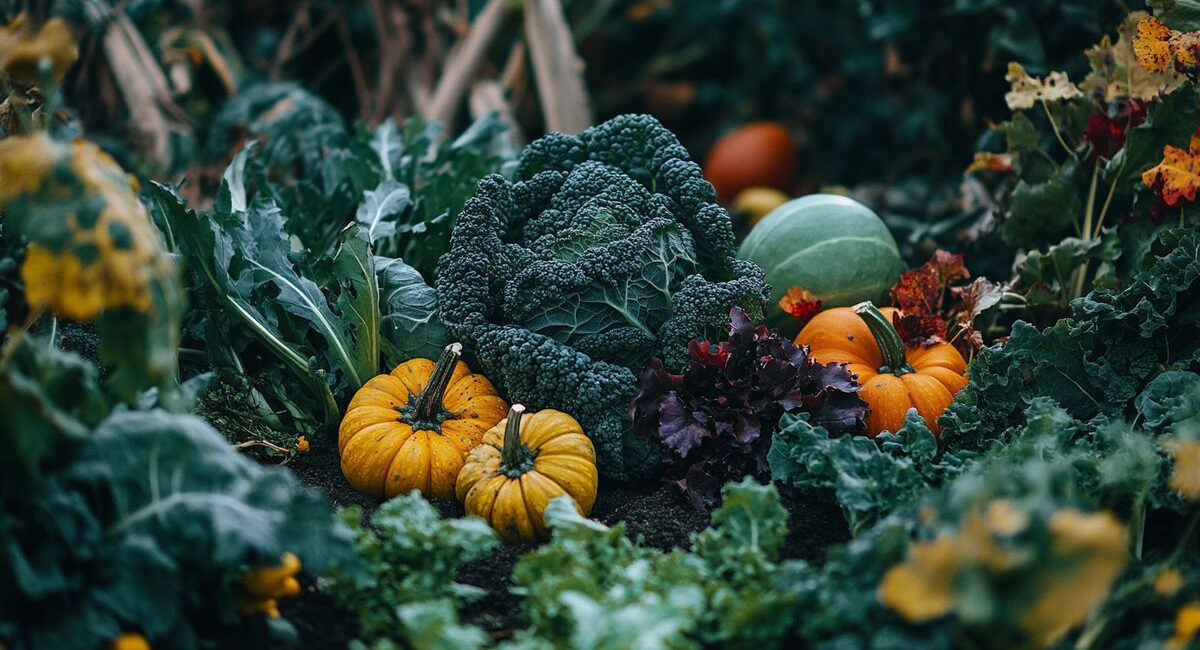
893,378
411,429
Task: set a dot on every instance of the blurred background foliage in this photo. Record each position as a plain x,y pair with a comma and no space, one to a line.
874,90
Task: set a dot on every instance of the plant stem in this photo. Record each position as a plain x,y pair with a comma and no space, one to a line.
1057,133
512,456
1086,232
1112,189
430,399
891,348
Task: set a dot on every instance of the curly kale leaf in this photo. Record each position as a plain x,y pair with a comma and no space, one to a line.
607,249
591,587
400,579
1097,361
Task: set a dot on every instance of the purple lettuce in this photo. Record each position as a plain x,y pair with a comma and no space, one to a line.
716,419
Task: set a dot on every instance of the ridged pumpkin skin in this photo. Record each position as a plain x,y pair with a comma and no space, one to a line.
841,336
554,458
384,455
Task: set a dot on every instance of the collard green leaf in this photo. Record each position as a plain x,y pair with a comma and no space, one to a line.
49,400
380,208
410,325
1041,213
358,298
150,527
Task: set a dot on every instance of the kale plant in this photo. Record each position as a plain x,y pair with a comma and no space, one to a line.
607,249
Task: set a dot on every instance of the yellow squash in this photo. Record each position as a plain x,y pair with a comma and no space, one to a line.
411,429
523,463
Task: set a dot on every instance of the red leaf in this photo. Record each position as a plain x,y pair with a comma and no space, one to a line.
800,304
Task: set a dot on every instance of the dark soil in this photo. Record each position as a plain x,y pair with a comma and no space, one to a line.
653,514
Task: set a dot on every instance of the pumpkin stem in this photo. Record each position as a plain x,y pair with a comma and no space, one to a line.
429,403
891,348
515,457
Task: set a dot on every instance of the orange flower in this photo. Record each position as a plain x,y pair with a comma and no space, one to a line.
302,445
129,641
262,587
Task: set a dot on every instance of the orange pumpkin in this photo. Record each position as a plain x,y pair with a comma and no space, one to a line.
758,154
411,429
893,378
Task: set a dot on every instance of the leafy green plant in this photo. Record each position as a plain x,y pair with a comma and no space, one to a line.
399,582
138,521
591,587
607,250
1124,356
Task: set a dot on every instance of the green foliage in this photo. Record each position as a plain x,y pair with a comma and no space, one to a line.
591,587
399,582
406,183
148,528
608,249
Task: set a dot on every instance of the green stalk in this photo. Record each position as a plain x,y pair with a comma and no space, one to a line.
891,348
429,403
1057,133
1081,272
514,456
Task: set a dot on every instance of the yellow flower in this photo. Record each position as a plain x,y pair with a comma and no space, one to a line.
922,587
22,49
1090,552
262,587
24,164
1187,623
302,445
1186,478
129,641
101,251
1168,582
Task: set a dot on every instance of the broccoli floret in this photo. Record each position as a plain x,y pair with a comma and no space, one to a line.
606,250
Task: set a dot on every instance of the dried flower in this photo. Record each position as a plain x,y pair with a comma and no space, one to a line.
22,49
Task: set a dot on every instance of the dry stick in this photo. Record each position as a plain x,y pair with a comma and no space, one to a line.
388,22
557,66
288,42
143,86
487,96
359,77
463,61
514,67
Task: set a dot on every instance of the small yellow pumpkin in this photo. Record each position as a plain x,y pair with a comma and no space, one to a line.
411,429
523,463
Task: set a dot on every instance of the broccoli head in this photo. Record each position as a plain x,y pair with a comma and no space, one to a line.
606,249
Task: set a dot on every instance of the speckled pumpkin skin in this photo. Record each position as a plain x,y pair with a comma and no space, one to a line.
840,336
382,455
565,464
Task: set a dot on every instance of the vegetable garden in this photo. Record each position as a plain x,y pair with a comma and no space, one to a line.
621,324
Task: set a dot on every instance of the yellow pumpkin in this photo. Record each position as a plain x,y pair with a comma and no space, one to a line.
523,463
411,429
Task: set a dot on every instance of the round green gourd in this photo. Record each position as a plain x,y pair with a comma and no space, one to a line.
833,246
